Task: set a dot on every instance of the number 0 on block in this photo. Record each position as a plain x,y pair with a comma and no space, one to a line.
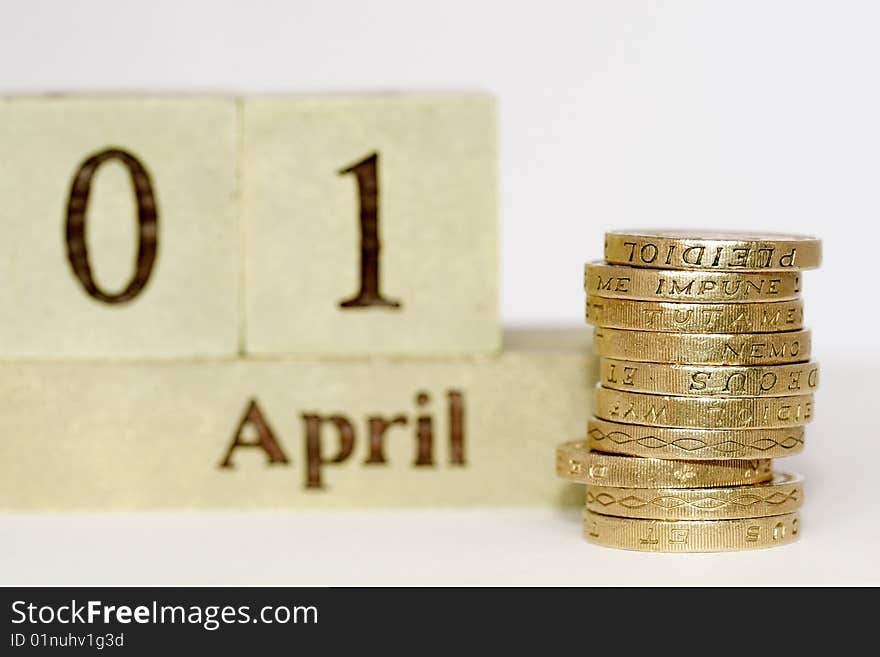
77,204
120,228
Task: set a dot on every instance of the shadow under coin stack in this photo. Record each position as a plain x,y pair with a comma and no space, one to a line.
705,375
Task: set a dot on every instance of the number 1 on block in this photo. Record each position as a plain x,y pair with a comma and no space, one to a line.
367,175
403,261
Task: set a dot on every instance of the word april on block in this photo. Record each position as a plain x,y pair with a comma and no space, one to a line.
306,433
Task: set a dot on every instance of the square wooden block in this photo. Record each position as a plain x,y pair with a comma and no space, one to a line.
120,228
370,225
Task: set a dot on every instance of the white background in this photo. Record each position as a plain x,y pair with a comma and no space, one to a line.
644,113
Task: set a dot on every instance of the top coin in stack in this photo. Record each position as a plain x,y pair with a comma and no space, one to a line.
708,250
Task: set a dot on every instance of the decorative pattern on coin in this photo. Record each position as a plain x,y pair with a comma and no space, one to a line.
694,444
783,494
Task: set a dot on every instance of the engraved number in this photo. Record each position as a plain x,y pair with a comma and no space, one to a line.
367,175
77,250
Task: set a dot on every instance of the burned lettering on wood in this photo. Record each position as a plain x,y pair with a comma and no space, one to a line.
366,173
265,437
424,434
456,427
376,429
377,426
147,217
314,458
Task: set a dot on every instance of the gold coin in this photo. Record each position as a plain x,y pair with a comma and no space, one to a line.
691,535
670,443
783,494
702,412
575,462
709,380
676,316
619,282
712,250
703,348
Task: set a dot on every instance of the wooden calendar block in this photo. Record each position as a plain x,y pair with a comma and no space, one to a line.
120,233
370,225
415,432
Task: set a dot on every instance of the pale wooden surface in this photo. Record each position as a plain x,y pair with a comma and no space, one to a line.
151,435
437,225
190,306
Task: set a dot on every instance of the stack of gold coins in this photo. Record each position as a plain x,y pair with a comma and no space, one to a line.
705,375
